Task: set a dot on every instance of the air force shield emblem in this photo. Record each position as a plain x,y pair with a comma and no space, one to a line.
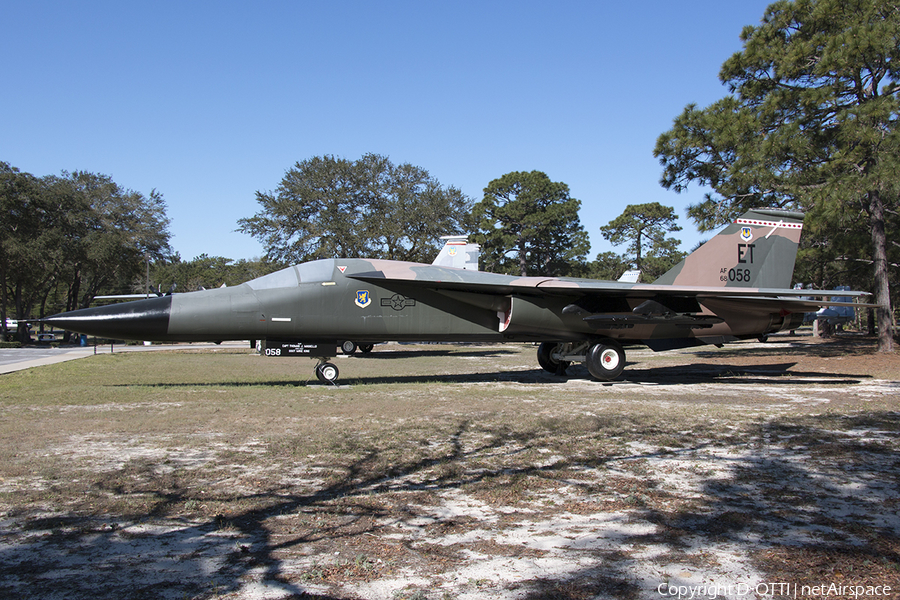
746,234
363,298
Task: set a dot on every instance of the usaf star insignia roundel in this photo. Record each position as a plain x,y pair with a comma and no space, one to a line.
398,302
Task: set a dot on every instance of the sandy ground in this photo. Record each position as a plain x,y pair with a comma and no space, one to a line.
783,475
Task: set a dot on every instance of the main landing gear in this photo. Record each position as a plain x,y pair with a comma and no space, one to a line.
604,358
349,347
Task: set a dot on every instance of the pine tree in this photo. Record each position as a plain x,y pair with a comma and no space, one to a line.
529,225
811,123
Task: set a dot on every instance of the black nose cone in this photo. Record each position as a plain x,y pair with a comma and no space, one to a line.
141,320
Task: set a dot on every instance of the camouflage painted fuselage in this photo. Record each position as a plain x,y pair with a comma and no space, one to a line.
735,286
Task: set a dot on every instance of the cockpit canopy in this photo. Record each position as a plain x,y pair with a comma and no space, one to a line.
311,272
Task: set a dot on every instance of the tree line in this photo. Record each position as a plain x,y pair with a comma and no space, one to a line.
66,239
809,123
326,206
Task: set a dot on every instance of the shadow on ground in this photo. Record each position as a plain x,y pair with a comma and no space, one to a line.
685,374
800,495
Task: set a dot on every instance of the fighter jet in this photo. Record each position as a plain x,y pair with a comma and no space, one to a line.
736,286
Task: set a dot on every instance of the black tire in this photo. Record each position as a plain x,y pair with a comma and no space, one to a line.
366,348
327,373
348,347
606,360
546,360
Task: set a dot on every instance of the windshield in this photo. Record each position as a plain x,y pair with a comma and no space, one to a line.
311,272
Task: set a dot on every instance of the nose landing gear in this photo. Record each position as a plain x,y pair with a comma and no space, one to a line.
327,372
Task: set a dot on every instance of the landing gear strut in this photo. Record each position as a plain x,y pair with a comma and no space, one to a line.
604,358
550,357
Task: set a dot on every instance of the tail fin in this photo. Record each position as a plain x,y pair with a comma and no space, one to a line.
758,250
457,252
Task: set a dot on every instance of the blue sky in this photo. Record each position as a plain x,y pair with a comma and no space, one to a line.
209,102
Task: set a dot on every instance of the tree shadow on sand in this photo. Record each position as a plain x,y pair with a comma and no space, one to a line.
793,494
809,501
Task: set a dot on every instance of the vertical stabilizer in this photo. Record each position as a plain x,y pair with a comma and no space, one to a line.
756,251
458,253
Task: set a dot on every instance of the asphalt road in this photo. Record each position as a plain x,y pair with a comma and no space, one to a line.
17,359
